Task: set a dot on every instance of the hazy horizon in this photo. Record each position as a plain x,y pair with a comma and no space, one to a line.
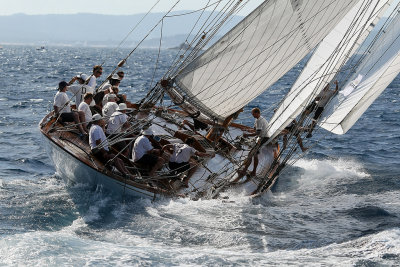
117,7
105,30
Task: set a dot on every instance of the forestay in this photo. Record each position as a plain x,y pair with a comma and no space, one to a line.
327,59
257,52
375,73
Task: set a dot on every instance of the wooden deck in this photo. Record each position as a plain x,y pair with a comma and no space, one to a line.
67,138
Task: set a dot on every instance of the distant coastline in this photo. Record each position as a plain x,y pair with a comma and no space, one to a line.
94,30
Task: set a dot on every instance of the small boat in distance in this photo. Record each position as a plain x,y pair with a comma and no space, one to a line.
42,48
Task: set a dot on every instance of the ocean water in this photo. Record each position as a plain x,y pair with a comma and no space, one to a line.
339,205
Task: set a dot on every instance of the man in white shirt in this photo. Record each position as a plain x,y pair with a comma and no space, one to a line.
97,137
118,120
180,156
106,97
116,124
143,153
97,72
79,89
261,130
62,108
99,145
110,107
84,107
113,81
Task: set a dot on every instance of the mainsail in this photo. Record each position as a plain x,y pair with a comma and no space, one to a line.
374,74
327,59
257,52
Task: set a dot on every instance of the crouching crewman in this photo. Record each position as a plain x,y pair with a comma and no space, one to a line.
99,145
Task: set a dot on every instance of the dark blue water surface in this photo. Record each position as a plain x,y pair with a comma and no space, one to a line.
339,205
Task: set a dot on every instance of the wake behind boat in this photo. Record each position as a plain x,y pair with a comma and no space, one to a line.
211,88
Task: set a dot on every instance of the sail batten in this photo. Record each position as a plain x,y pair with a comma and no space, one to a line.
257,52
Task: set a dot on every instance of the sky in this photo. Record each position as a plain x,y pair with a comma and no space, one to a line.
114,7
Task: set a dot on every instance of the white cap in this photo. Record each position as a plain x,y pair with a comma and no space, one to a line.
147,131
96,117
122,106
115,77
83,76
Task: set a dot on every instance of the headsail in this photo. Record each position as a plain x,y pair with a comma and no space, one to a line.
257,52
375,73
330,55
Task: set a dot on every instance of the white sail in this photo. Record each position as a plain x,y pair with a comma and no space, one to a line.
377,70
327,59
257,52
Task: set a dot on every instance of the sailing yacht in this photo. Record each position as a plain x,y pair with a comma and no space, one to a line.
213,86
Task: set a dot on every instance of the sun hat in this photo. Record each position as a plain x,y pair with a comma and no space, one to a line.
147,131
122,106
96,117
115,77
83,76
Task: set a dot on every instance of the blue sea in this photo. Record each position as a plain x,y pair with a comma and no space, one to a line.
339,205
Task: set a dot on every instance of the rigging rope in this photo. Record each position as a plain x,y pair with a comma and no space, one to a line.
290,154
360,61
213,26
293,161
158,54
212,31
238,68
122,62
331,59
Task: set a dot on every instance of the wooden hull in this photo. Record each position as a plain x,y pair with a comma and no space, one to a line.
74,171
74,162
